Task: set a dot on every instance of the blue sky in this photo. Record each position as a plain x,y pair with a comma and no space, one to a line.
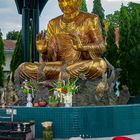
11,20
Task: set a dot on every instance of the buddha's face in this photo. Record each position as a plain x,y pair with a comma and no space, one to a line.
69,6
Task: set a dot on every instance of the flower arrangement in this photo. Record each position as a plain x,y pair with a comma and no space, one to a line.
65,87
28,87
63,90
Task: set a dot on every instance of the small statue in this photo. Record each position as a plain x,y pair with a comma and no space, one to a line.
74,39
8,96
11,97
2,99
102,91
124,95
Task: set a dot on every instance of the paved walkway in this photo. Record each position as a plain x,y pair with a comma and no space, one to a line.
135,137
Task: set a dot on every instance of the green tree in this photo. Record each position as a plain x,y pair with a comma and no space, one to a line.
0,33
17,56
124,35
134,48
98,10
12,35
84,6
130,47
112,50
114,18
2,60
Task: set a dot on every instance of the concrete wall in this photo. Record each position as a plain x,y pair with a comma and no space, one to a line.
89,122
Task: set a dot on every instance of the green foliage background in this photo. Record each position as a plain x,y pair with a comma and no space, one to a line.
12,35
17,56
84,6
2,61
128,53
129,44
114,18
98,10
112,50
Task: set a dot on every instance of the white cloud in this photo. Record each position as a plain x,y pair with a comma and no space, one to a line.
124,0
5,10
11,20
89,5
50,11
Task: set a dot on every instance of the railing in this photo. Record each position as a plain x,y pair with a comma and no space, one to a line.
16,130
8,113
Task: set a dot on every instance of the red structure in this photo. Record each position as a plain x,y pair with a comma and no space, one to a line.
121,138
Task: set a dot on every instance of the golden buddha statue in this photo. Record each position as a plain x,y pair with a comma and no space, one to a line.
73,39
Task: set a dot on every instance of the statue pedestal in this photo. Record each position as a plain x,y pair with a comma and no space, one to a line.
87,95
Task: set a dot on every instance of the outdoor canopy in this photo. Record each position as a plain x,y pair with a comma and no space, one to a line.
30,10
31,4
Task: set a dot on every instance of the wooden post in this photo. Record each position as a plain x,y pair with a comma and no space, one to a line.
35,54
25,32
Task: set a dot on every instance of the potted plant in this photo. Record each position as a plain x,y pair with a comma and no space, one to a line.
28,88
47,130
53,101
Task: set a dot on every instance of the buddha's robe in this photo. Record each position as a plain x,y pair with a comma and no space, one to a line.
61,48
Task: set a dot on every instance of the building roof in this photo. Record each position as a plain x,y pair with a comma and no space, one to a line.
9,45
31,5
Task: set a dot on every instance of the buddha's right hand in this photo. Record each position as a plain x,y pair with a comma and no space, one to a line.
76,42
41,42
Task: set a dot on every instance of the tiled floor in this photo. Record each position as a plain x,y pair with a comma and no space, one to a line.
135,137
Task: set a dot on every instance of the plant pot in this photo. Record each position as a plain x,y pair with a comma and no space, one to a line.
61,104
68,100
52,105
36,104
29,101
68,104
42,104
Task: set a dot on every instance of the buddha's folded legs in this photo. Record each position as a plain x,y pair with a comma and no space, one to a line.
36,71
28,70
90,68
51,70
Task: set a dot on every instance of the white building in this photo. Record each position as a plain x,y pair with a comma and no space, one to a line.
9,46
